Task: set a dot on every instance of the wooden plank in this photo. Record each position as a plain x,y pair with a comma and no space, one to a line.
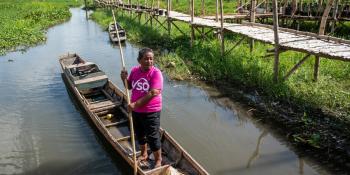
123,138
116,123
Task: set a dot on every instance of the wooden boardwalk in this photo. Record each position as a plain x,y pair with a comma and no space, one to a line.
323,46
288,39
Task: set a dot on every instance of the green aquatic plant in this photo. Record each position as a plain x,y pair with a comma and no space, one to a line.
24,23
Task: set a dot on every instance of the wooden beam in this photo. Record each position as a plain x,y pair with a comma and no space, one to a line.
239,42
161,24
178,28
296,67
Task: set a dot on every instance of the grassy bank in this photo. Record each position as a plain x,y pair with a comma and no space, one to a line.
23,22
253,70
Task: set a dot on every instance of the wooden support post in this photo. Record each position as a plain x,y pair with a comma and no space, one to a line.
217,17
252,19
192,20
217,11
222,27
325,17
321,32
168,17
275,31
316,67
335,11
252,10
294,7
203,8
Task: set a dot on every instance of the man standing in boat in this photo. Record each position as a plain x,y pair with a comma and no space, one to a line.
146,84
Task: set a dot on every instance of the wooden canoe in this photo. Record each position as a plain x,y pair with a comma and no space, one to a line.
99,99
113,33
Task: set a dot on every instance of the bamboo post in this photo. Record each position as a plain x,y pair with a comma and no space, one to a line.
128,98
222,28
294,7
203,8
335,11
203,14
252,19
217,11
152,13
321,32
319,7
168,17
275,31
192,20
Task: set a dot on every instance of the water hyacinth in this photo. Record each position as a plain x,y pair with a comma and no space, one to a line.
23,23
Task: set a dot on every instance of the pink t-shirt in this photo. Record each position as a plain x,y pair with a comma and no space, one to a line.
141,83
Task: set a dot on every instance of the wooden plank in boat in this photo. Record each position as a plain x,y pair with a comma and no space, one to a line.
116,123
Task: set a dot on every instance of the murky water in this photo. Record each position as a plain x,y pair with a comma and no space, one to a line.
43,132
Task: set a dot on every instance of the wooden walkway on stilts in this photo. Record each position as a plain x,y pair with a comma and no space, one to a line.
327,47
289,39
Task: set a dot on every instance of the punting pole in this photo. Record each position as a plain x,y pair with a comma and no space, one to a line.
128,98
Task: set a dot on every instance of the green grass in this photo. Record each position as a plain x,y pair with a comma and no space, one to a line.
240,67
183,6
23,22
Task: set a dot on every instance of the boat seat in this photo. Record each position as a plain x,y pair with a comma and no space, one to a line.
103,105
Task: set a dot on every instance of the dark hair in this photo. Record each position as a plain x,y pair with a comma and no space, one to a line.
143,52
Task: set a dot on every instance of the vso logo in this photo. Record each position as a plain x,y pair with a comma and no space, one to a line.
141,85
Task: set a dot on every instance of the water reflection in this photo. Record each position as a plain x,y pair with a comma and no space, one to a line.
256,152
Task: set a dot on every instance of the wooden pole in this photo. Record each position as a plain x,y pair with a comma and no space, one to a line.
275,31
152,13
128,97
252,19
222,28
321,32
203,8
217,11
335,11
168,17
325,17
192,20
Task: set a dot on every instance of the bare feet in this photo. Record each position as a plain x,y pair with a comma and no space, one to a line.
158,158
142,158
158,164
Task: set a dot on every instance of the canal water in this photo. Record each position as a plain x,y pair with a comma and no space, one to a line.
42,131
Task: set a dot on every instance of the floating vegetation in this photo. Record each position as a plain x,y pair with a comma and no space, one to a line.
23,23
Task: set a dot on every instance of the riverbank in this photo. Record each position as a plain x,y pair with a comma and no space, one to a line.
312,115
23,23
